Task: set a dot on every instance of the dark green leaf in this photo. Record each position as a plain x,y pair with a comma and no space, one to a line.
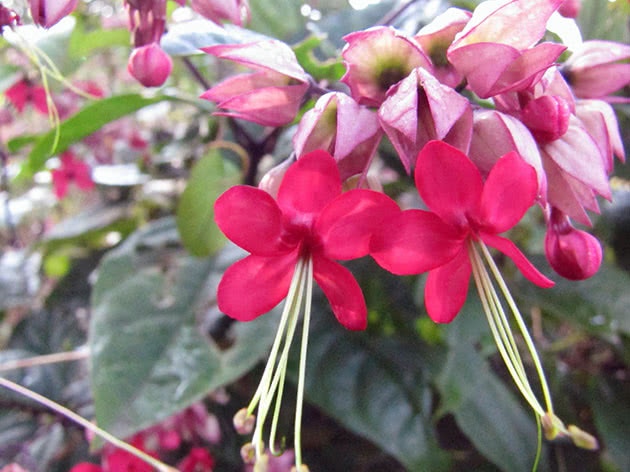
209,178
90,119
375,388
598,305
148,358
485,410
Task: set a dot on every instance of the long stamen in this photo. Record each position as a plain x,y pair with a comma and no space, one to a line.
521,324
302,374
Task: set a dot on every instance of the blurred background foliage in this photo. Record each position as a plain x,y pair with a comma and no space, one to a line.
127,273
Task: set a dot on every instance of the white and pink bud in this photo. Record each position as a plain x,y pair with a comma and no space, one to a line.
270,183
572,253
435,39
339,125
235,11
496,134
420,109
272,95
598,68
378,58
150,65
47,13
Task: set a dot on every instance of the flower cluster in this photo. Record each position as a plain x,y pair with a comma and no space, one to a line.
480,109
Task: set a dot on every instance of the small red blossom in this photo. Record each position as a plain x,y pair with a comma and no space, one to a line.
197,460
119,460
71,170
86,467
463,208
310,218
23,92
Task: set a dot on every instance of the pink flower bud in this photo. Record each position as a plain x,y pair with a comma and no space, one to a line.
270,183
150,65
8,18
47,13
547,117
570,8
572,253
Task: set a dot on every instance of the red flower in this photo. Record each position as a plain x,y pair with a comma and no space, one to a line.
463,208
86,467
197,460
119,460
311,217
23,92
71,170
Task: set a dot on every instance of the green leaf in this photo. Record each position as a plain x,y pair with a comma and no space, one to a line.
599,304
332,69
486,411
17,143
209,178
83,43
375,388
148,358
85,122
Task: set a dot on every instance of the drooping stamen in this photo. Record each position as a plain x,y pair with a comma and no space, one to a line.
271,385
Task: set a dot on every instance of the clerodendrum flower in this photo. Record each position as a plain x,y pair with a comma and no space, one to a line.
466,214
293,240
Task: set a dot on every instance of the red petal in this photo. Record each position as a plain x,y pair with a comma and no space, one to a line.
343,292
413,242
447,287
254,285
251,219
309,185
508,248
508,193
346,224
448,182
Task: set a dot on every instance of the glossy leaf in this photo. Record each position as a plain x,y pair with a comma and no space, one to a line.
148,358
85,122
209,178
486,411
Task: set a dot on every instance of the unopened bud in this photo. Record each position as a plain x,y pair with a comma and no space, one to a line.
248,453
150,65
552,426
244,422
570,8
262,463
582,439
572,253
547,117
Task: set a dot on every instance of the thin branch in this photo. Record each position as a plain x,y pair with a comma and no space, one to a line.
192,68
391,16
82,353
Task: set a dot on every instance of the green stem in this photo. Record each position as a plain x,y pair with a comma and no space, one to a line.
160,466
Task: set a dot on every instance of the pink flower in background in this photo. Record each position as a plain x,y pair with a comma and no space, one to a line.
8,18
598,68
378,58
83,467
572,253
197,460
494,59
72,170
436,37
463,208
47,13
150,65
339,125
419,109
220,10
24,92
272,95
311,218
